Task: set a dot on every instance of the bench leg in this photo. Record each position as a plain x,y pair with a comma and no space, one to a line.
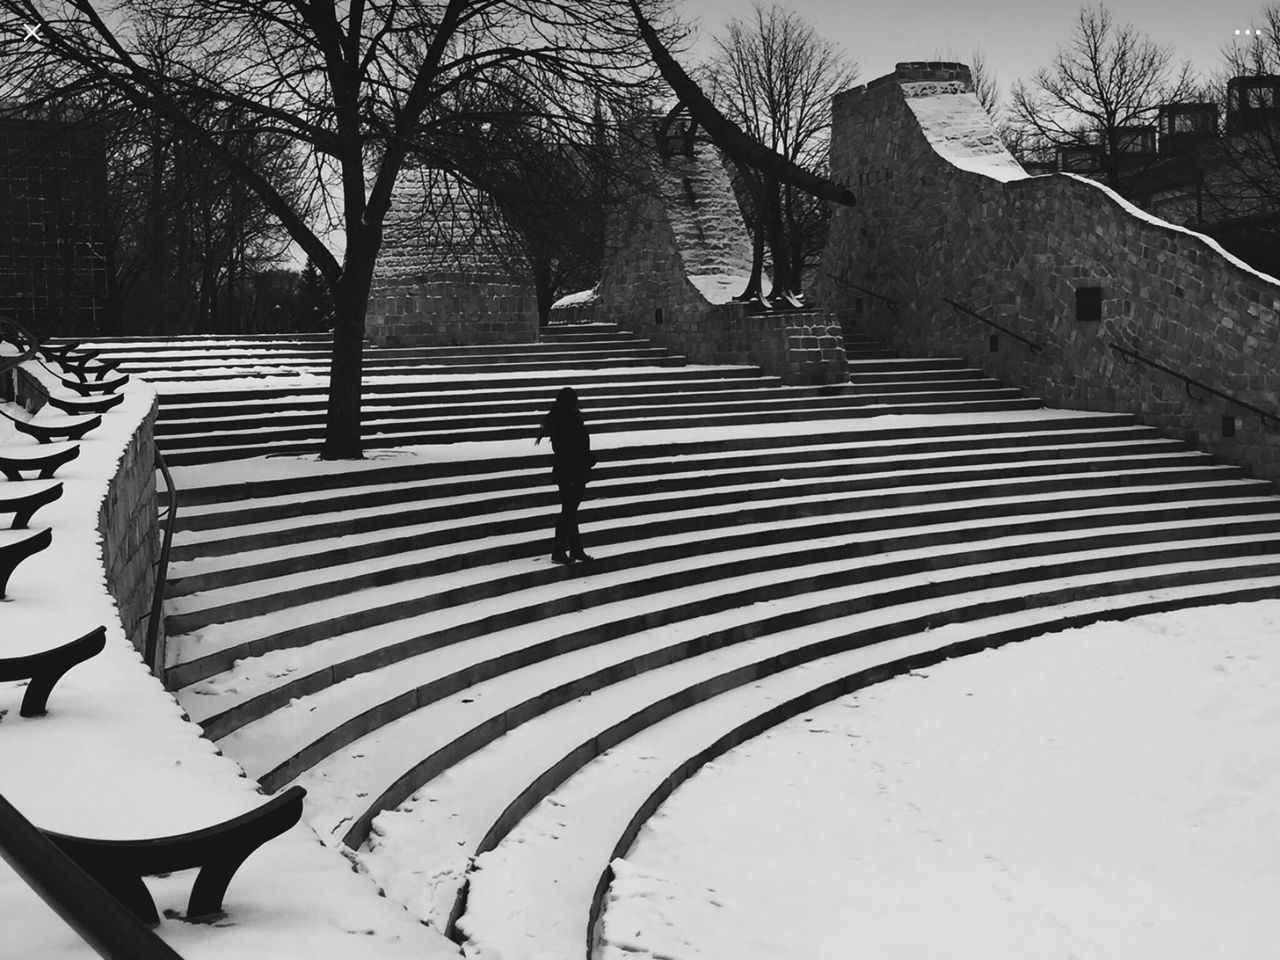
9,562
211,885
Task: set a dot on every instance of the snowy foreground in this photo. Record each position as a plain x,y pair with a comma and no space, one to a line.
1106,792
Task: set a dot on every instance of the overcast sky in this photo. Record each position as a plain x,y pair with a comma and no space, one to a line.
1016,36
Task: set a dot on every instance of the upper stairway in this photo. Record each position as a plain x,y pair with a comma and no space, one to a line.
212,409
487,730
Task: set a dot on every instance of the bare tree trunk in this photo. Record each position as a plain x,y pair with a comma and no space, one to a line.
344,436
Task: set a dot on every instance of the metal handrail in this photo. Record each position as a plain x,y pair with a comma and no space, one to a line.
95,915
8,363
153,652
1267,418
1035,348
870,293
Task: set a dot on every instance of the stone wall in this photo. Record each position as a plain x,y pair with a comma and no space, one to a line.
127,524
944,212
52,225
676,259
450,271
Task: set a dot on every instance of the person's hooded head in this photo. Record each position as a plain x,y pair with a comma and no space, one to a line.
567,397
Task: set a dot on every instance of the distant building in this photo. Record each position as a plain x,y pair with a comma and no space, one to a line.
53,187
1220,179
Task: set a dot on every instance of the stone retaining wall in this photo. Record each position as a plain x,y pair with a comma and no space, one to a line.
944,212
681,253
443,310
128,526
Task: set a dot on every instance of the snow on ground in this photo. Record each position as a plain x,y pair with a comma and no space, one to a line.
115,757
1105,792
721,287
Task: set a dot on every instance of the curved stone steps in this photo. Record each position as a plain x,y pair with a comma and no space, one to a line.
215,508
217,604
607,620
469,516
525,416
211,572
215,647
506,408
537,893
259,442
263,680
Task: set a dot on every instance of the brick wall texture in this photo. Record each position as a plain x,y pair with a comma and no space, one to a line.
1016,249
52,226
686,225
128,526
450,271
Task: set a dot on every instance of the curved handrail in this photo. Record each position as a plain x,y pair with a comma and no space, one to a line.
1035,348
1267,418
31,345
153,652
94,914
870,293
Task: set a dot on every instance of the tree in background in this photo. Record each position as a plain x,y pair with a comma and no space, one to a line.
774,76
1103,83
350,89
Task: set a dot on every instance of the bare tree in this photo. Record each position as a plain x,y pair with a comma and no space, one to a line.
774,76
353,87
1105,82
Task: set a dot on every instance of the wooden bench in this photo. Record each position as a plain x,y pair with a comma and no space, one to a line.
16,546
120,865
69,428
25,497
86,387
44,460
84,404
46,668
81,364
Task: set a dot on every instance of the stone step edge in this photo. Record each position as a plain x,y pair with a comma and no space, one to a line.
954,432
228,719
1118,566
388,569
307,629
328,501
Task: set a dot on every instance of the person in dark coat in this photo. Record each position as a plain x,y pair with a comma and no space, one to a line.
571,445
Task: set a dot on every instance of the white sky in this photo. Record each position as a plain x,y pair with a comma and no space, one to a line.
1017,36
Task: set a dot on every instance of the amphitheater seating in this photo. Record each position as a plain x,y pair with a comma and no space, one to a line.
44,461
16,546
24,498
46,668
46,431
395,631
120,865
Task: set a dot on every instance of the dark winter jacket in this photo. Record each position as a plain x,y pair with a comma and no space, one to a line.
570,441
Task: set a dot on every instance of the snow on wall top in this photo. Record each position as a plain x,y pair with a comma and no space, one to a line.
959,129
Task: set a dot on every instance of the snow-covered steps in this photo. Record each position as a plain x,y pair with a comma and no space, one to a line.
395,628
537,886
210,410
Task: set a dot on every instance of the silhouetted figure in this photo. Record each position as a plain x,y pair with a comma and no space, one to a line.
571,444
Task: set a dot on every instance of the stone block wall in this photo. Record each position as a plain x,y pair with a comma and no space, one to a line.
52,225
676,259
944,212
447,310
128,526
450,272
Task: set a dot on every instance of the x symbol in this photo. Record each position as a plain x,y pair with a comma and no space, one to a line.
33,33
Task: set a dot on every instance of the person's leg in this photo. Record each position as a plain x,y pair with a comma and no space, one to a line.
562,541
575,538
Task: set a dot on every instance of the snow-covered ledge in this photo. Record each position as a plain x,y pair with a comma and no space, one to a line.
116,757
